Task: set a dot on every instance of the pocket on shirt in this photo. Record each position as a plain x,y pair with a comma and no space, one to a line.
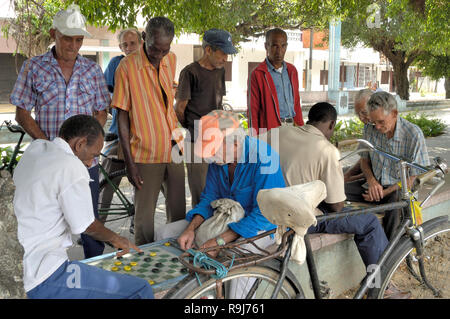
86,98
47,90
244,196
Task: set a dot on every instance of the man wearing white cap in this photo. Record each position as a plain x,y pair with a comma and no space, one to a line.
58,85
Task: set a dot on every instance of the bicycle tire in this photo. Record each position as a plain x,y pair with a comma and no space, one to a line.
395,268
268,272
122,211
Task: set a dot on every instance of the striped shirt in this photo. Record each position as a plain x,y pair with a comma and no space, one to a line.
41,86
138,91
408,142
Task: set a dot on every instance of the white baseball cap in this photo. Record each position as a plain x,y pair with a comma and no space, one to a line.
71,22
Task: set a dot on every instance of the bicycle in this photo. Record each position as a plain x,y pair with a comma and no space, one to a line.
9,162
267,273
115,192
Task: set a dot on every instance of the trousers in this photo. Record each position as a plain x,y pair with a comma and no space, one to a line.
392,218
170,178
369,237
92,247
76,280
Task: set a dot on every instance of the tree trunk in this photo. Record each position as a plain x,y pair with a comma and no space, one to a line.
447,87
401,79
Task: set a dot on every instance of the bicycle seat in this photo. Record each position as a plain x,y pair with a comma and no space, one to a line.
292,207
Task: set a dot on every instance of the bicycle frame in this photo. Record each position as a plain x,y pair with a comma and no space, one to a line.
126,203
407,226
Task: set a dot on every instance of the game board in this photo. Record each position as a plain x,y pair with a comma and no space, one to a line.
158,264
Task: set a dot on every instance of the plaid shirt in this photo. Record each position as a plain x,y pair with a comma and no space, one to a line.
408,142
41,85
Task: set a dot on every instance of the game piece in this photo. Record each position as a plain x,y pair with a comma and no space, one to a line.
141,253
167,244
159,265
120,258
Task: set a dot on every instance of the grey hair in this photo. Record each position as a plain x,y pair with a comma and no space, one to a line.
207,44
125,31
383,100
363,94
160,24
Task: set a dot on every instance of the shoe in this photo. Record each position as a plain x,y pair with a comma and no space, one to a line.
392,292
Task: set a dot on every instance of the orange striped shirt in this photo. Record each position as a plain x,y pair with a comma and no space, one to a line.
138,91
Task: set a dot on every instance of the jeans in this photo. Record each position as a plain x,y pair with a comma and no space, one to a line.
76,280
369,237
92,247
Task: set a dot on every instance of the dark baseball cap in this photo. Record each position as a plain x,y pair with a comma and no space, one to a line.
221,39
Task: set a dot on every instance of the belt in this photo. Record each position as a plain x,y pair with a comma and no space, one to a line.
287,120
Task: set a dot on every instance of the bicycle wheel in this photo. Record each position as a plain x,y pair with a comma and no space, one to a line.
402,267
254,282
116,206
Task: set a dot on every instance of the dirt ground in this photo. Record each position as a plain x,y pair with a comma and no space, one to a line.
437,266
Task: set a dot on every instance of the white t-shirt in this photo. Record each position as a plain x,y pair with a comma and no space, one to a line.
51,201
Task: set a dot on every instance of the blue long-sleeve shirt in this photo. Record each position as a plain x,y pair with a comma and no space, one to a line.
258,168
109,77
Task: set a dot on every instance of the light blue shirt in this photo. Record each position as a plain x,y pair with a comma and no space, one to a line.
408,142
284,89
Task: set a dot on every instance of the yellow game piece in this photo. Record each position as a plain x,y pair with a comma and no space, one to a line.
118,263
115,268
133,263
151,282
127,268
167,244
153,254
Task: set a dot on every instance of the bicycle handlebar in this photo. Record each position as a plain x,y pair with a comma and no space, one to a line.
370,147
14,128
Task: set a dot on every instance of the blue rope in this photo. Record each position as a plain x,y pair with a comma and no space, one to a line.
202,260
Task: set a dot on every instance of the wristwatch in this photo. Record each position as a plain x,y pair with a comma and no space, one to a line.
220,241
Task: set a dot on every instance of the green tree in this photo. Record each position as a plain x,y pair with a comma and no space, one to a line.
436,67
402,30
30,28
242,18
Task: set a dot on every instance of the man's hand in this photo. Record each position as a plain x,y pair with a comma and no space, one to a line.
180,107
99,232
186,239
211,243
133,175
375,191
124,245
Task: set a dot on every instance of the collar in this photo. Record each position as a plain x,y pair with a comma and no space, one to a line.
62,144
143,61
312,130
50,56
270,67
398,133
